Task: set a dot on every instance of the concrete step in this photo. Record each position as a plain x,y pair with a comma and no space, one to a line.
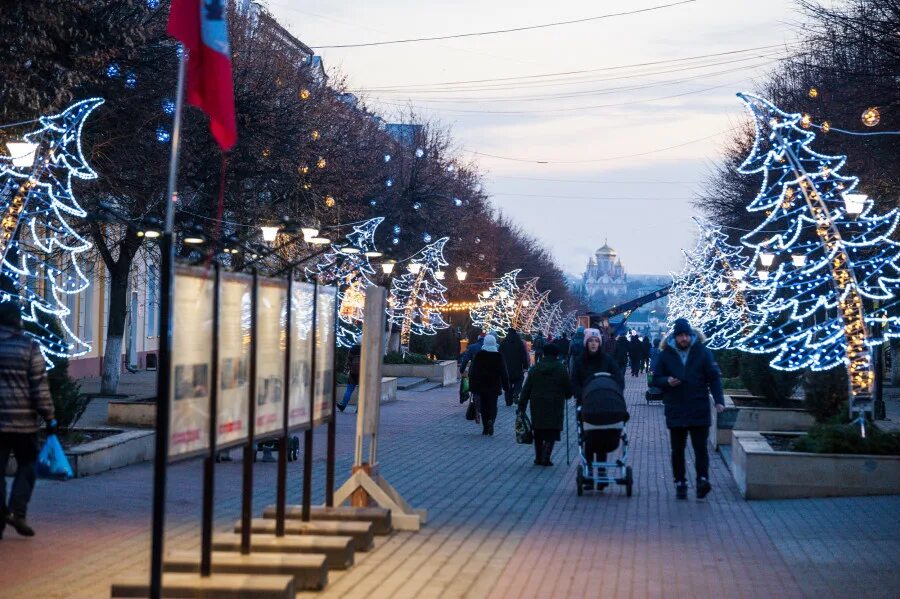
308,569
379,517
361,532
407,382
215,586
426,386
338,551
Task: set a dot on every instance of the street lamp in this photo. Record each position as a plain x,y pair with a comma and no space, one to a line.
439,275
461,274
799,260
854,203
414,267
309,233
387,267
373,254
722,285
269,233
766,259
22,153
763,274
738,273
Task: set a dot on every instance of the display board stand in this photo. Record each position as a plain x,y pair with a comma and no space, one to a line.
365,485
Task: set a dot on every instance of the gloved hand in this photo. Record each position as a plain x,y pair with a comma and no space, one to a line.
52,427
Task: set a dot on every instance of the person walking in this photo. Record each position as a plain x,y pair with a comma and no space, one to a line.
473,348
594,361
576,348
488,379
621,355
537,346
563,345
687,373
515,354
354,361
646,350
24,401
635,353
547,389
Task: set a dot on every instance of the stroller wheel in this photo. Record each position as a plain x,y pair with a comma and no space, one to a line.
579,479
629,481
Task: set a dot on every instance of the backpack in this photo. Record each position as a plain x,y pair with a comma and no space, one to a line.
602,401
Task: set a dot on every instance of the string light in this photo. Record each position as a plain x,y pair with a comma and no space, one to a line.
492,313
416,296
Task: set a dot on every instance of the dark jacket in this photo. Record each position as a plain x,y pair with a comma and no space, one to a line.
563,344
354,362
470,352
608,342
548,387
635,349
488,376
576,348
622,351
687,404
514,352
538,344
646,346
24,394
588,366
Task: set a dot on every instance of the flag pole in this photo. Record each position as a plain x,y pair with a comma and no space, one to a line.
163,377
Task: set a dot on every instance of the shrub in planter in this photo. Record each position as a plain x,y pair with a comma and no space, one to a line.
410,358
776,386
733,383
826,393
729,361
846,438
69,403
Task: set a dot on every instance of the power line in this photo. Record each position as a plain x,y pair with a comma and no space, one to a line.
600,181
607,198
500,31
578,72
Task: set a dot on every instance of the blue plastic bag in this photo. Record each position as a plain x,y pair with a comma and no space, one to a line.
52,461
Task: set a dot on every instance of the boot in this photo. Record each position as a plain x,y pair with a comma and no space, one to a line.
703,487
680,489
18,522
545,454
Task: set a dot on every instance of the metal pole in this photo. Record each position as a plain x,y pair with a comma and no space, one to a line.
332,432
281,493
249,449
308,434
206,523
163,409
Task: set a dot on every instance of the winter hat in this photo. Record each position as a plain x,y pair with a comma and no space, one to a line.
490,343
681,326
579,330
551,351
592,334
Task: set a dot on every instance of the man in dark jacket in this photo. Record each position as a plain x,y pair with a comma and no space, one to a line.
537,346
563,345
515,354
635,353
621,354
24,401
488,379
687,372
645,354
548,387
474,348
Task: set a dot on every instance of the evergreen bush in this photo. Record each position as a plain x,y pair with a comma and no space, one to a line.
775,386
395,357
826,393
846,438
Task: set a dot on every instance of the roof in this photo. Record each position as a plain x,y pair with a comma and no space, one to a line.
606,251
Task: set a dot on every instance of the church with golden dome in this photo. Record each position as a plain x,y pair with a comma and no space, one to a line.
604,276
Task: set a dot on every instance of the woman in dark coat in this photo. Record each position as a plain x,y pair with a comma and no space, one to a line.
621,354
515,354
635,354
488,378
547,388
594,361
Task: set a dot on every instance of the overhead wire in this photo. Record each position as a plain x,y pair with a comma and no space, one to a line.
502,31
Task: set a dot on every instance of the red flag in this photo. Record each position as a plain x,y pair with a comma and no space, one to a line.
202,27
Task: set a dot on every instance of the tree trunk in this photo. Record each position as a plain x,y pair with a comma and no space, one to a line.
115,331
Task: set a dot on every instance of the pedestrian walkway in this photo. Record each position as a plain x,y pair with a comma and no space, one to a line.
498,525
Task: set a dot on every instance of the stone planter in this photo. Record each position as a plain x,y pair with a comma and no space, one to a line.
442,372
131,412
752,418
764,473
388,391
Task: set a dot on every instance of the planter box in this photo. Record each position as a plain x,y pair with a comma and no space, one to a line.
388,391
764,473
752,418
131,412
443,372
122,449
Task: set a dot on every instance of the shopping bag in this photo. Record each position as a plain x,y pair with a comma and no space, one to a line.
52,461
471,410
464,389
524,434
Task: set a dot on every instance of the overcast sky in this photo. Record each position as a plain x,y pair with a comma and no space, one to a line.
607,134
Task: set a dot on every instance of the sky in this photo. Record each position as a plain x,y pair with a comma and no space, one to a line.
577,143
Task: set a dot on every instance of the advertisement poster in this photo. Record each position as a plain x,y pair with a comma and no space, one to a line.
301,355
325,342
234,359
191,359
271,320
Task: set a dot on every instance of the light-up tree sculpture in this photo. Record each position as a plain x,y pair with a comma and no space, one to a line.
828,251
39,248
418,295
569,323
526,299
348,267
496,306
531,322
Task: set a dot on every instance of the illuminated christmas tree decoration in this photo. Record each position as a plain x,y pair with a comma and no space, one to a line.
349,268
40,251
497,305
817,315
417,297
526,298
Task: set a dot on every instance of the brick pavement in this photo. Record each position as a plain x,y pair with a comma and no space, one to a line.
498,525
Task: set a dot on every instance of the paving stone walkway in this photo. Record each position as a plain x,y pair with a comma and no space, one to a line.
498,526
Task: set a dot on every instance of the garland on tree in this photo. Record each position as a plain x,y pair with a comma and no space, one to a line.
418,295
496,306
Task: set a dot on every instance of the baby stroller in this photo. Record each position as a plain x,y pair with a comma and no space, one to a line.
601,415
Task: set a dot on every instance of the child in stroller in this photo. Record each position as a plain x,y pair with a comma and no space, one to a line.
601,413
